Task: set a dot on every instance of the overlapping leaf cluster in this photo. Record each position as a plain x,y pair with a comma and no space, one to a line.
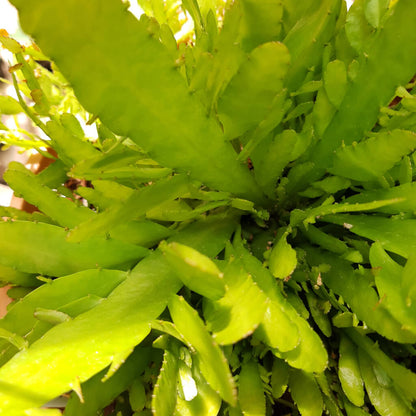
242,238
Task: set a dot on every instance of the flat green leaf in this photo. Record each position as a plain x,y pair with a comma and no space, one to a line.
12,276
261,22
122,88
119,324
394,235
250,93
197,271
310,354
142,233
335,82
388,276
374,11
278,328
405,195
134,206
357,27
164,396
282,260
319,315
16,340
62,210
236,315
60,292
307,38
208,235
402,378
10,44
120,163
276,153
70,148
137,394
326,241
386,400
51,316
213,364
371,158
97,394
296,11
46,250
354,410
306,394
323,112
9,105
356,289
207,402
409,283
251,396
279,378
388,61
349,372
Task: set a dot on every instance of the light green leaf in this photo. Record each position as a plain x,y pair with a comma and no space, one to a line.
278,328
335,82
9,105
164,396
207,402
197,271
64,291
310,354
371,158
356,289
279,377
12,276
213,364
70,148
250,390
122,88
282,260
319,315
276,153
14,339
387,401
306,394
307,38
248,97
323,112
137,394
388,61
403,378
134,206
61,210
120,322
240,311
374,11
394,235
97,394
353,410
409,283
349,372
51,316
388,276
357,27
46,250
120,163
262,22
405,194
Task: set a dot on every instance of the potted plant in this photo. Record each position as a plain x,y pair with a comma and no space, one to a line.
238,238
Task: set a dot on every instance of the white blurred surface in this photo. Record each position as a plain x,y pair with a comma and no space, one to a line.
5,195
8,17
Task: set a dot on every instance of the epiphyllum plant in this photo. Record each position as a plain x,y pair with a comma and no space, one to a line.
244,238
